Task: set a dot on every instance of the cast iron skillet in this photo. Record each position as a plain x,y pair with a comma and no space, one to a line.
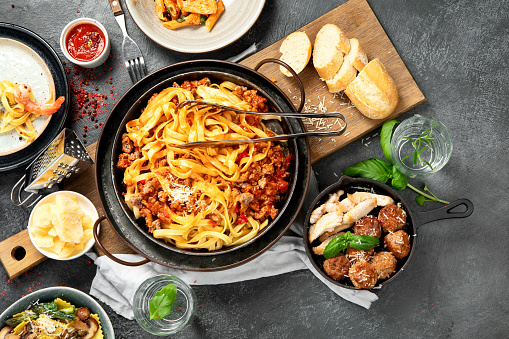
414,221
108,182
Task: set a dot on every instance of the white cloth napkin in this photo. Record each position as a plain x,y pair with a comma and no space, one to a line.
115,284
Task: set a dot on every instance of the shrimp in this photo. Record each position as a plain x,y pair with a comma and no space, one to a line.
22,96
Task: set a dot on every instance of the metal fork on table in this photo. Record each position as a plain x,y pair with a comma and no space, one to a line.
225,143
133,59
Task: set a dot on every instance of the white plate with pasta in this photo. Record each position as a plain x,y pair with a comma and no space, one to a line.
19,64
189,33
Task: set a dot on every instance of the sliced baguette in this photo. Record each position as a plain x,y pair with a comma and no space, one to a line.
373,92
343,77
327,51
296,52
358,57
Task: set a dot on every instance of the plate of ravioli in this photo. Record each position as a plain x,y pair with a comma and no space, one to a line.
194,26
34,95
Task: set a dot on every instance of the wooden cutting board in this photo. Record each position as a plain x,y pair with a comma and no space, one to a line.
356,19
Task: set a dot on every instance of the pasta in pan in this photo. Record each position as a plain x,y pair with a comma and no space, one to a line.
203,198
180,13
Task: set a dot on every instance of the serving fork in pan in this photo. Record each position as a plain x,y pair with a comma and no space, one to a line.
223,143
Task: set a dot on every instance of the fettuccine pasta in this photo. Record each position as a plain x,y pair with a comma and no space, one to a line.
13,115
203,198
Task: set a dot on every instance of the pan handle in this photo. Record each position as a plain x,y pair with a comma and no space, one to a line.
299,82
107,253
445,212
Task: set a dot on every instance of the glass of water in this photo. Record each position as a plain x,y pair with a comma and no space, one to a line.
420,146
182,310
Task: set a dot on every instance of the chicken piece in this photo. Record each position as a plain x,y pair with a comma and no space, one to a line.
328,206
346,205
381,200
355,213
360,210
320,248
325,224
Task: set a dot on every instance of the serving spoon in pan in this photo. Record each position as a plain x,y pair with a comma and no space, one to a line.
224,143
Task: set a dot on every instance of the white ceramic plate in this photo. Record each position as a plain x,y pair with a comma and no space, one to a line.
20,64
234,22
87,207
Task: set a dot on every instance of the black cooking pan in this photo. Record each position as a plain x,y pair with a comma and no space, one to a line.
414,221
109,180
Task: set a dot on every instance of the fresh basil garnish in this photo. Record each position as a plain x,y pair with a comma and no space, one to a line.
162,302
341,243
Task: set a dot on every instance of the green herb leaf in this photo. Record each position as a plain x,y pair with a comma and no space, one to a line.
385,138
336,245
372,168
420,199
161,303
363,242
203,18
399,180
340,244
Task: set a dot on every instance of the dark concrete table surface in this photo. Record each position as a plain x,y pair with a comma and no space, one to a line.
456,284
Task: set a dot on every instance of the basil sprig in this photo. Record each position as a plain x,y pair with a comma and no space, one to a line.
382,171
340,244
162,302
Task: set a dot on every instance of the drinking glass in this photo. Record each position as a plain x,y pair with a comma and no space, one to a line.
434,151
182,310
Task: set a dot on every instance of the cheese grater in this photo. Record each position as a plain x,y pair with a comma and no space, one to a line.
66,155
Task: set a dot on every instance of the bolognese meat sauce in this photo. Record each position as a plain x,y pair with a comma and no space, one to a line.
256,193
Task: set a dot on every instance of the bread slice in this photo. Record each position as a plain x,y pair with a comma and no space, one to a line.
373,92
327,51
358,58
343,78
296,52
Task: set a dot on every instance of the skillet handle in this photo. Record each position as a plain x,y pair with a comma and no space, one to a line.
299,82
107,253
445,212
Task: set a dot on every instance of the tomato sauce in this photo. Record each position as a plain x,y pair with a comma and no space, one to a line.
85,42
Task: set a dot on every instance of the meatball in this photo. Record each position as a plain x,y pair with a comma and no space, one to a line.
368,226
385,264
392,218
355,255
337,267
398,243
363,275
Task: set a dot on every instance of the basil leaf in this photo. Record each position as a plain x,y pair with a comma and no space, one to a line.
336,245
399,181
385,138
363,242
372,168
161,303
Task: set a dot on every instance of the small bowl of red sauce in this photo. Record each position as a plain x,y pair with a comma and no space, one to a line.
85,42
